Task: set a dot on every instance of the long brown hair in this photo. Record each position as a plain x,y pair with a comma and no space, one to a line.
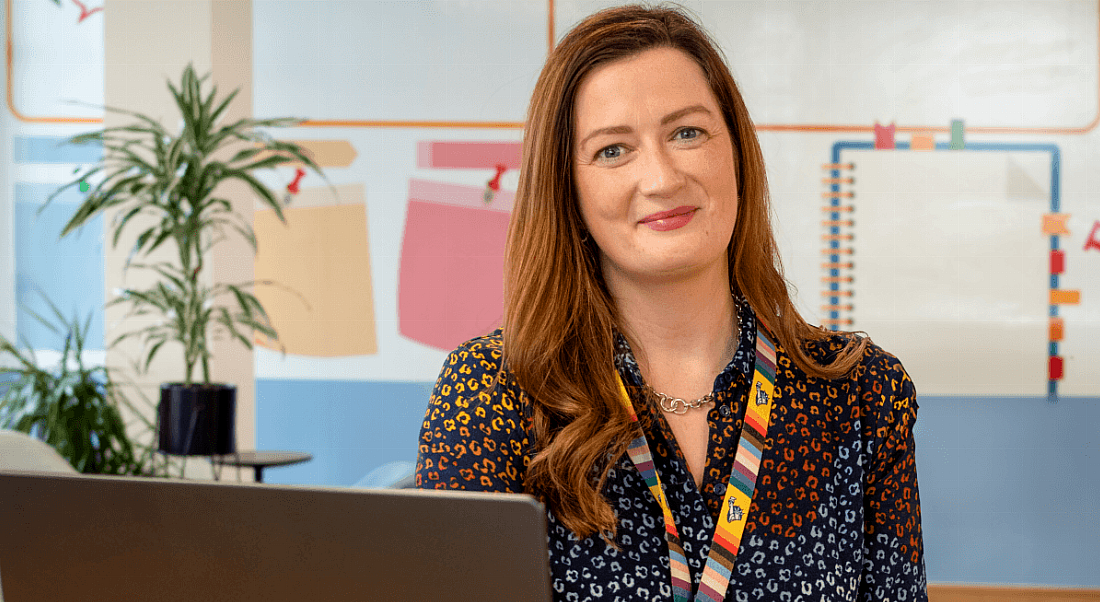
560,320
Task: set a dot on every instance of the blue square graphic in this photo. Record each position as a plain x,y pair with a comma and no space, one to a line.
68,271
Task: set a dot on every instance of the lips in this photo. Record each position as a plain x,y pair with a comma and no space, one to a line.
672,219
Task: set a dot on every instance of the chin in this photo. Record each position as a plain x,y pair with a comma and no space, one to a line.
668,271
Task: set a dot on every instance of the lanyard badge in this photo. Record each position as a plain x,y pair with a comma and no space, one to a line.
739,491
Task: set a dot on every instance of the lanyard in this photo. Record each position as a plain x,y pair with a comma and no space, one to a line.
739,491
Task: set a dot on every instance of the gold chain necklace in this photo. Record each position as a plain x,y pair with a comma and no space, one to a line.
675,405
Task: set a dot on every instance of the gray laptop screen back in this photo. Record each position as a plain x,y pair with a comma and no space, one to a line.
120,539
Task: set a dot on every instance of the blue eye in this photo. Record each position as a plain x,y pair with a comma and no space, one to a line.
688,134
611,152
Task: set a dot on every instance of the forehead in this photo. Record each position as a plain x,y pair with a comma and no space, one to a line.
642,87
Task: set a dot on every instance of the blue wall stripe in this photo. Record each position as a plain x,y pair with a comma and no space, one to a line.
973,454
1009,489
350,427
68,271
53,149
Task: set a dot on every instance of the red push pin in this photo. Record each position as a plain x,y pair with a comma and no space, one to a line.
292,188
493,186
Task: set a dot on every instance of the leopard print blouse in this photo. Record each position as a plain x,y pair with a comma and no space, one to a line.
836,515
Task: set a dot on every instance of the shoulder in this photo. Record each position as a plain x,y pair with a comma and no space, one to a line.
474,365
887,398
473,375
883,381
876,366
878,382
485,351
877,396
474,434
885,395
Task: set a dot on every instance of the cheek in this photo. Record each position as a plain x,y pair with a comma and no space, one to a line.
723,169
599,196
723,182
584,198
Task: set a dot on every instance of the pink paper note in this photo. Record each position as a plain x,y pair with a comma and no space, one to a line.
452,267
468,155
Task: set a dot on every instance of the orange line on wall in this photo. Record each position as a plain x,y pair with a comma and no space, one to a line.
350,123
11,89
953,592
354,123
550,27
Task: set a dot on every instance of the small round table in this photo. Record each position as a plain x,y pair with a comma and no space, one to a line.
260,459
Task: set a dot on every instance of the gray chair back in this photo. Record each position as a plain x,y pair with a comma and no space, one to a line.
20,451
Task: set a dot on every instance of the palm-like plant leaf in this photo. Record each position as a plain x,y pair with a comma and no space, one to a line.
72,407
162,185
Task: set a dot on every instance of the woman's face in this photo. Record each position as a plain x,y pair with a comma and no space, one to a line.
654,169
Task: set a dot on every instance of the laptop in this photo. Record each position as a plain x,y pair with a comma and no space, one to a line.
89,538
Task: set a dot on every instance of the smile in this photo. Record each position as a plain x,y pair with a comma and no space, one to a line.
669,220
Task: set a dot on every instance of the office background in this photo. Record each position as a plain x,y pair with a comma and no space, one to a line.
963,134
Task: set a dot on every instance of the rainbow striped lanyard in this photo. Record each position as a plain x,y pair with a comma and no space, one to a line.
739,491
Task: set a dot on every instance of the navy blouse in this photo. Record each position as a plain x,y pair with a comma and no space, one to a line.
836,515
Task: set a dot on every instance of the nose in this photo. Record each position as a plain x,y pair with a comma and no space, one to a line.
660,175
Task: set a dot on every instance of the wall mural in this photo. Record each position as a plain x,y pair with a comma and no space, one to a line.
425,140
932,170
929,187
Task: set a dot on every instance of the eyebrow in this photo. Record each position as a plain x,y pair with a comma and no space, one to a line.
625,129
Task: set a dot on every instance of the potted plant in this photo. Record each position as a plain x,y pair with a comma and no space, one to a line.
71,406
169,183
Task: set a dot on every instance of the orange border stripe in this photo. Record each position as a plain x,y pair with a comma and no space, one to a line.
550,27
11,87
362,123
809,127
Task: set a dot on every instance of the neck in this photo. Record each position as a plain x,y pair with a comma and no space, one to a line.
681,330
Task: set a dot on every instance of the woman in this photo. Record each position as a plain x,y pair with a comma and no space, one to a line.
650,350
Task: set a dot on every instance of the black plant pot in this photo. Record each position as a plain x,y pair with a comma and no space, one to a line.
197,420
